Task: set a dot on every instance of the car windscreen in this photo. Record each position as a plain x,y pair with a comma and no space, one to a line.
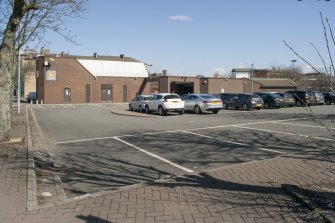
171,96
309,93
147,98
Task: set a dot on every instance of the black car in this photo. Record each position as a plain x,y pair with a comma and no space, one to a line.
329,97
271,100
225,97
245,101
303,97
31,97
288,99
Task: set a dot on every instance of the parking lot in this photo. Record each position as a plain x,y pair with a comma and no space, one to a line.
97,150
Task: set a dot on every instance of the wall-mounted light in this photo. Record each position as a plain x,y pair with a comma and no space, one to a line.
204,82
135,78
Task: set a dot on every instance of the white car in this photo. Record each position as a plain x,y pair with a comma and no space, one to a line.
164,102
139,102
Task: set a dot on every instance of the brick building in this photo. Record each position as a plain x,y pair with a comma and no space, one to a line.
94,79
78,79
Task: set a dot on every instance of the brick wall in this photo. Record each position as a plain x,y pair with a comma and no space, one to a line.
71,74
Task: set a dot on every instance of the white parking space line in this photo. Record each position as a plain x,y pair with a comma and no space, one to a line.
154,155
84,140
285,133
249,123
310,126
175,131
236,143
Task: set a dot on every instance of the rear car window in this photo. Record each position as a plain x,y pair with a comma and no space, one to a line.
172,96
255,96
274,95
208,97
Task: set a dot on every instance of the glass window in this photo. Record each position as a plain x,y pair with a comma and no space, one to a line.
171,96
208,96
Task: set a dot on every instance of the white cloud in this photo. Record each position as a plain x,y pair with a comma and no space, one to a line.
180,18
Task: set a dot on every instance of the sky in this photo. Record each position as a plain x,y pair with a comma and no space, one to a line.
201,37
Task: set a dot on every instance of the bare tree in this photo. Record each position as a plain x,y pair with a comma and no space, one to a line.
23,21
328,81
327,149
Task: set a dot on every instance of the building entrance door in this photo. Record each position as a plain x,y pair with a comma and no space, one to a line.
88,93
67,95
106,92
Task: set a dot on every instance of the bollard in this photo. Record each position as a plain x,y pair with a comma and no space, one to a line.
37,101
41,101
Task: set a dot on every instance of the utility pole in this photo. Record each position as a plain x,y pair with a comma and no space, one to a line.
18,95
252,78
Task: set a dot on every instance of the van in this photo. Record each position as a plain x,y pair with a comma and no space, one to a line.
31,97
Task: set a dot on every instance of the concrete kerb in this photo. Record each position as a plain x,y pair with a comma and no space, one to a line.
32,203
32,187
132,113
293,191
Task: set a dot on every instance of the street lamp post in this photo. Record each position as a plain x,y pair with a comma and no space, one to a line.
18,95
252,78
293,69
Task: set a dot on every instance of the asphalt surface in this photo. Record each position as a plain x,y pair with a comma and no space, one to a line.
264,190
97,150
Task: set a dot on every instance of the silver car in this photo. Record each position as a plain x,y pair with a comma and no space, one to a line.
139,102
202,102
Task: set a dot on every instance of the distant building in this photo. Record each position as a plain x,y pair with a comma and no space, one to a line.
241,73
28,72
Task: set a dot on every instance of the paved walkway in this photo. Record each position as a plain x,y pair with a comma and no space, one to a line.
249,192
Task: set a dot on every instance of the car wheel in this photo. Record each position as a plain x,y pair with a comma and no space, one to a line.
224,105
298,103
245,107
147,109
130,108
181,112
215,111
197,109
161,111
328,102
266,105
140,109
258,108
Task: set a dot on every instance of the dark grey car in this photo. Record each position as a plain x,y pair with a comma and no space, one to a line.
319,98
245,101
